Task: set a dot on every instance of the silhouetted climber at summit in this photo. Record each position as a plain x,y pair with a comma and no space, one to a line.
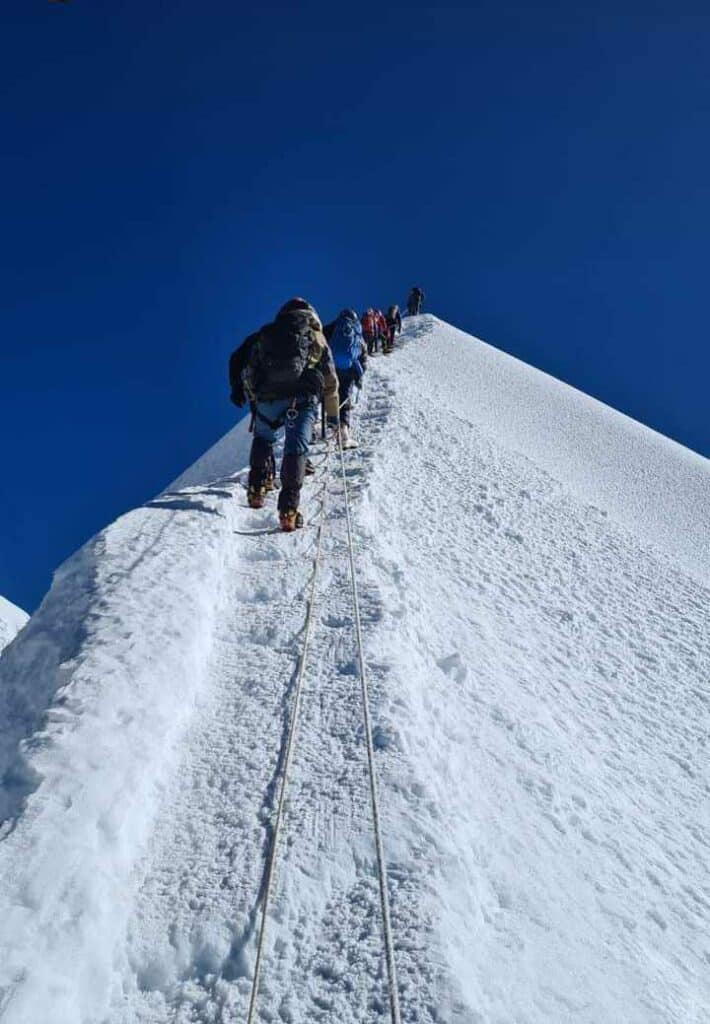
414,302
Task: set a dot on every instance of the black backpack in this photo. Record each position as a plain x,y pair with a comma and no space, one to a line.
284,354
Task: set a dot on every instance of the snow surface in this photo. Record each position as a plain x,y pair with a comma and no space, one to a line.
12,619
533,570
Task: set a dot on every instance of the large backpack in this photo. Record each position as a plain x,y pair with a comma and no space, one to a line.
284,354
346,342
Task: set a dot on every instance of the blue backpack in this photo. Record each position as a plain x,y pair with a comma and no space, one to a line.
346,342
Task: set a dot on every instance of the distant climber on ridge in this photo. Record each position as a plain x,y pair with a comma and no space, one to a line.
350,357
394,326
288,368
374,329
414,302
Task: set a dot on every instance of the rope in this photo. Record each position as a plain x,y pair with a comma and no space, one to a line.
381,865
293,723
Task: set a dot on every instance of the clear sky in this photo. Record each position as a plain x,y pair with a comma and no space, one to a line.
172,170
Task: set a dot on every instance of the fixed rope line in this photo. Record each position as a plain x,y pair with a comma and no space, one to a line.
290,745
381,865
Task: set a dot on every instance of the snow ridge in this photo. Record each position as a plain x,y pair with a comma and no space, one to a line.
537,649
94,695
12,619
652,486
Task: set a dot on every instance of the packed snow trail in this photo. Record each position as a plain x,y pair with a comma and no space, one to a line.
209,895
288,747
538,664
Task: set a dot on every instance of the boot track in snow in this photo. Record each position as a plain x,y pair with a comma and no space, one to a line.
493,640
230,987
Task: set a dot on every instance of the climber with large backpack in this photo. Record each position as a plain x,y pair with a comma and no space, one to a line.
290,368
414,302
368,322
394,326
350,357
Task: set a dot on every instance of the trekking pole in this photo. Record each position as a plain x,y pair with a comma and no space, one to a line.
322,419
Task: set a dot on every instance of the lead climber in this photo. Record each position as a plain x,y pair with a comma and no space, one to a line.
414,302
288,369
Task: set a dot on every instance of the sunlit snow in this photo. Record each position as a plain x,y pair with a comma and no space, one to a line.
534,573
12,619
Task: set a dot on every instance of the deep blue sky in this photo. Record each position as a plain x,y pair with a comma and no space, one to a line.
170,172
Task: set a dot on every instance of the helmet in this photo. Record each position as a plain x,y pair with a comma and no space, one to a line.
347,314
295,304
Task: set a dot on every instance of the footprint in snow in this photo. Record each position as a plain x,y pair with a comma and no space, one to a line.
384,738
335,621
454,667
486,513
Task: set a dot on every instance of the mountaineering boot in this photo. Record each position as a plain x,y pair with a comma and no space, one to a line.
346,438
256,496
290,519
293,469
261,471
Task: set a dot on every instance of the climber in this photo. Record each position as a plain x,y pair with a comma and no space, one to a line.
374,329
394,326
289,368
414,302
350,357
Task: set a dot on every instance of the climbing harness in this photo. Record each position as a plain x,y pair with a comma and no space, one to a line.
292,727
381,864
288,418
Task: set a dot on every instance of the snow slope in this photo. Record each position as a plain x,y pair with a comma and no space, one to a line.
12,619
533,571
